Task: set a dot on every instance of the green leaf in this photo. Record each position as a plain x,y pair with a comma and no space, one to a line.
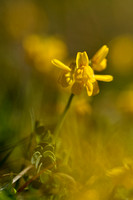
45,176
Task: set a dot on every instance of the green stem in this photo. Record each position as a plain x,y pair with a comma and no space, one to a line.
61,120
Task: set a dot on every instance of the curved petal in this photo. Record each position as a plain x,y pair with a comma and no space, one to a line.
105,78
82,59
89,87
60,65
100,54
65,79
77,88
101,66
95,88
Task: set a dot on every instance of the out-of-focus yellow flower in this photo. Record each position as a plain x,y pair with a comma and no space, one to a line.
83,75
23,17
125,101
40,50
121,53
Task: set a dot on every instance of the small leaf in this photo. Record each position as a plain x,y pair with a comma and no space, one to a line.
48,147
36,159
49,154
39,148
45,176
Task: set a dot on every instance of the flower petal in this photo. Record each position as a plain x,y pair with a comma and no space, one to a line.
89,87
78,75
65,79
106,78
101,66
77,88
95,88
60,65
100,54
88,74
82,59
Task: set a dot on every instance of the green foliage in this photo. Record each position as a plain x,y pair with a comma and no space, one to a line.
45,176
8,193
44,152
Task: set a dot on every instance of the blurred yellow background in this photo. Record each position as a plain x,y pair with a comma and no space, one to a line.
98,130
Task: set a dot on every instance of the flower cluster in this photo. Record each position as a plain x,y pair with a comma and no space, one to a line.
82,75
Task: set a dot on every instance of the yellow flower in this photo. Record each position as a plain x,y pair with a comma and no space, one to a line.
125,101
40,50
84,74
16,21
66,76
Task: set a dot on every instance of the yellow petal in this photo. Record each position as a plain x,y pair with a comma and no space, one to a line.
77,88
88,74
79,75
106,78
95,88
65,79
60,65
82,59
100,54
89,87
101,66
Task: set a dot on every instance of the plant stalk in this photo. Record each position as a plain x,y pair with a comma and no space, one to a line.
62,118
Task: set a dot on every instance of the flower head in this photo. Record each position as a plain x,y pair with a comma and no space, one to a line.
83,74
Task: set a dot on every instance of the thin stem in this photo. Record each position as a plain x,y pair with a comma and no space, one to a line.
16,178
61,120
33,178
67,106
23,172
